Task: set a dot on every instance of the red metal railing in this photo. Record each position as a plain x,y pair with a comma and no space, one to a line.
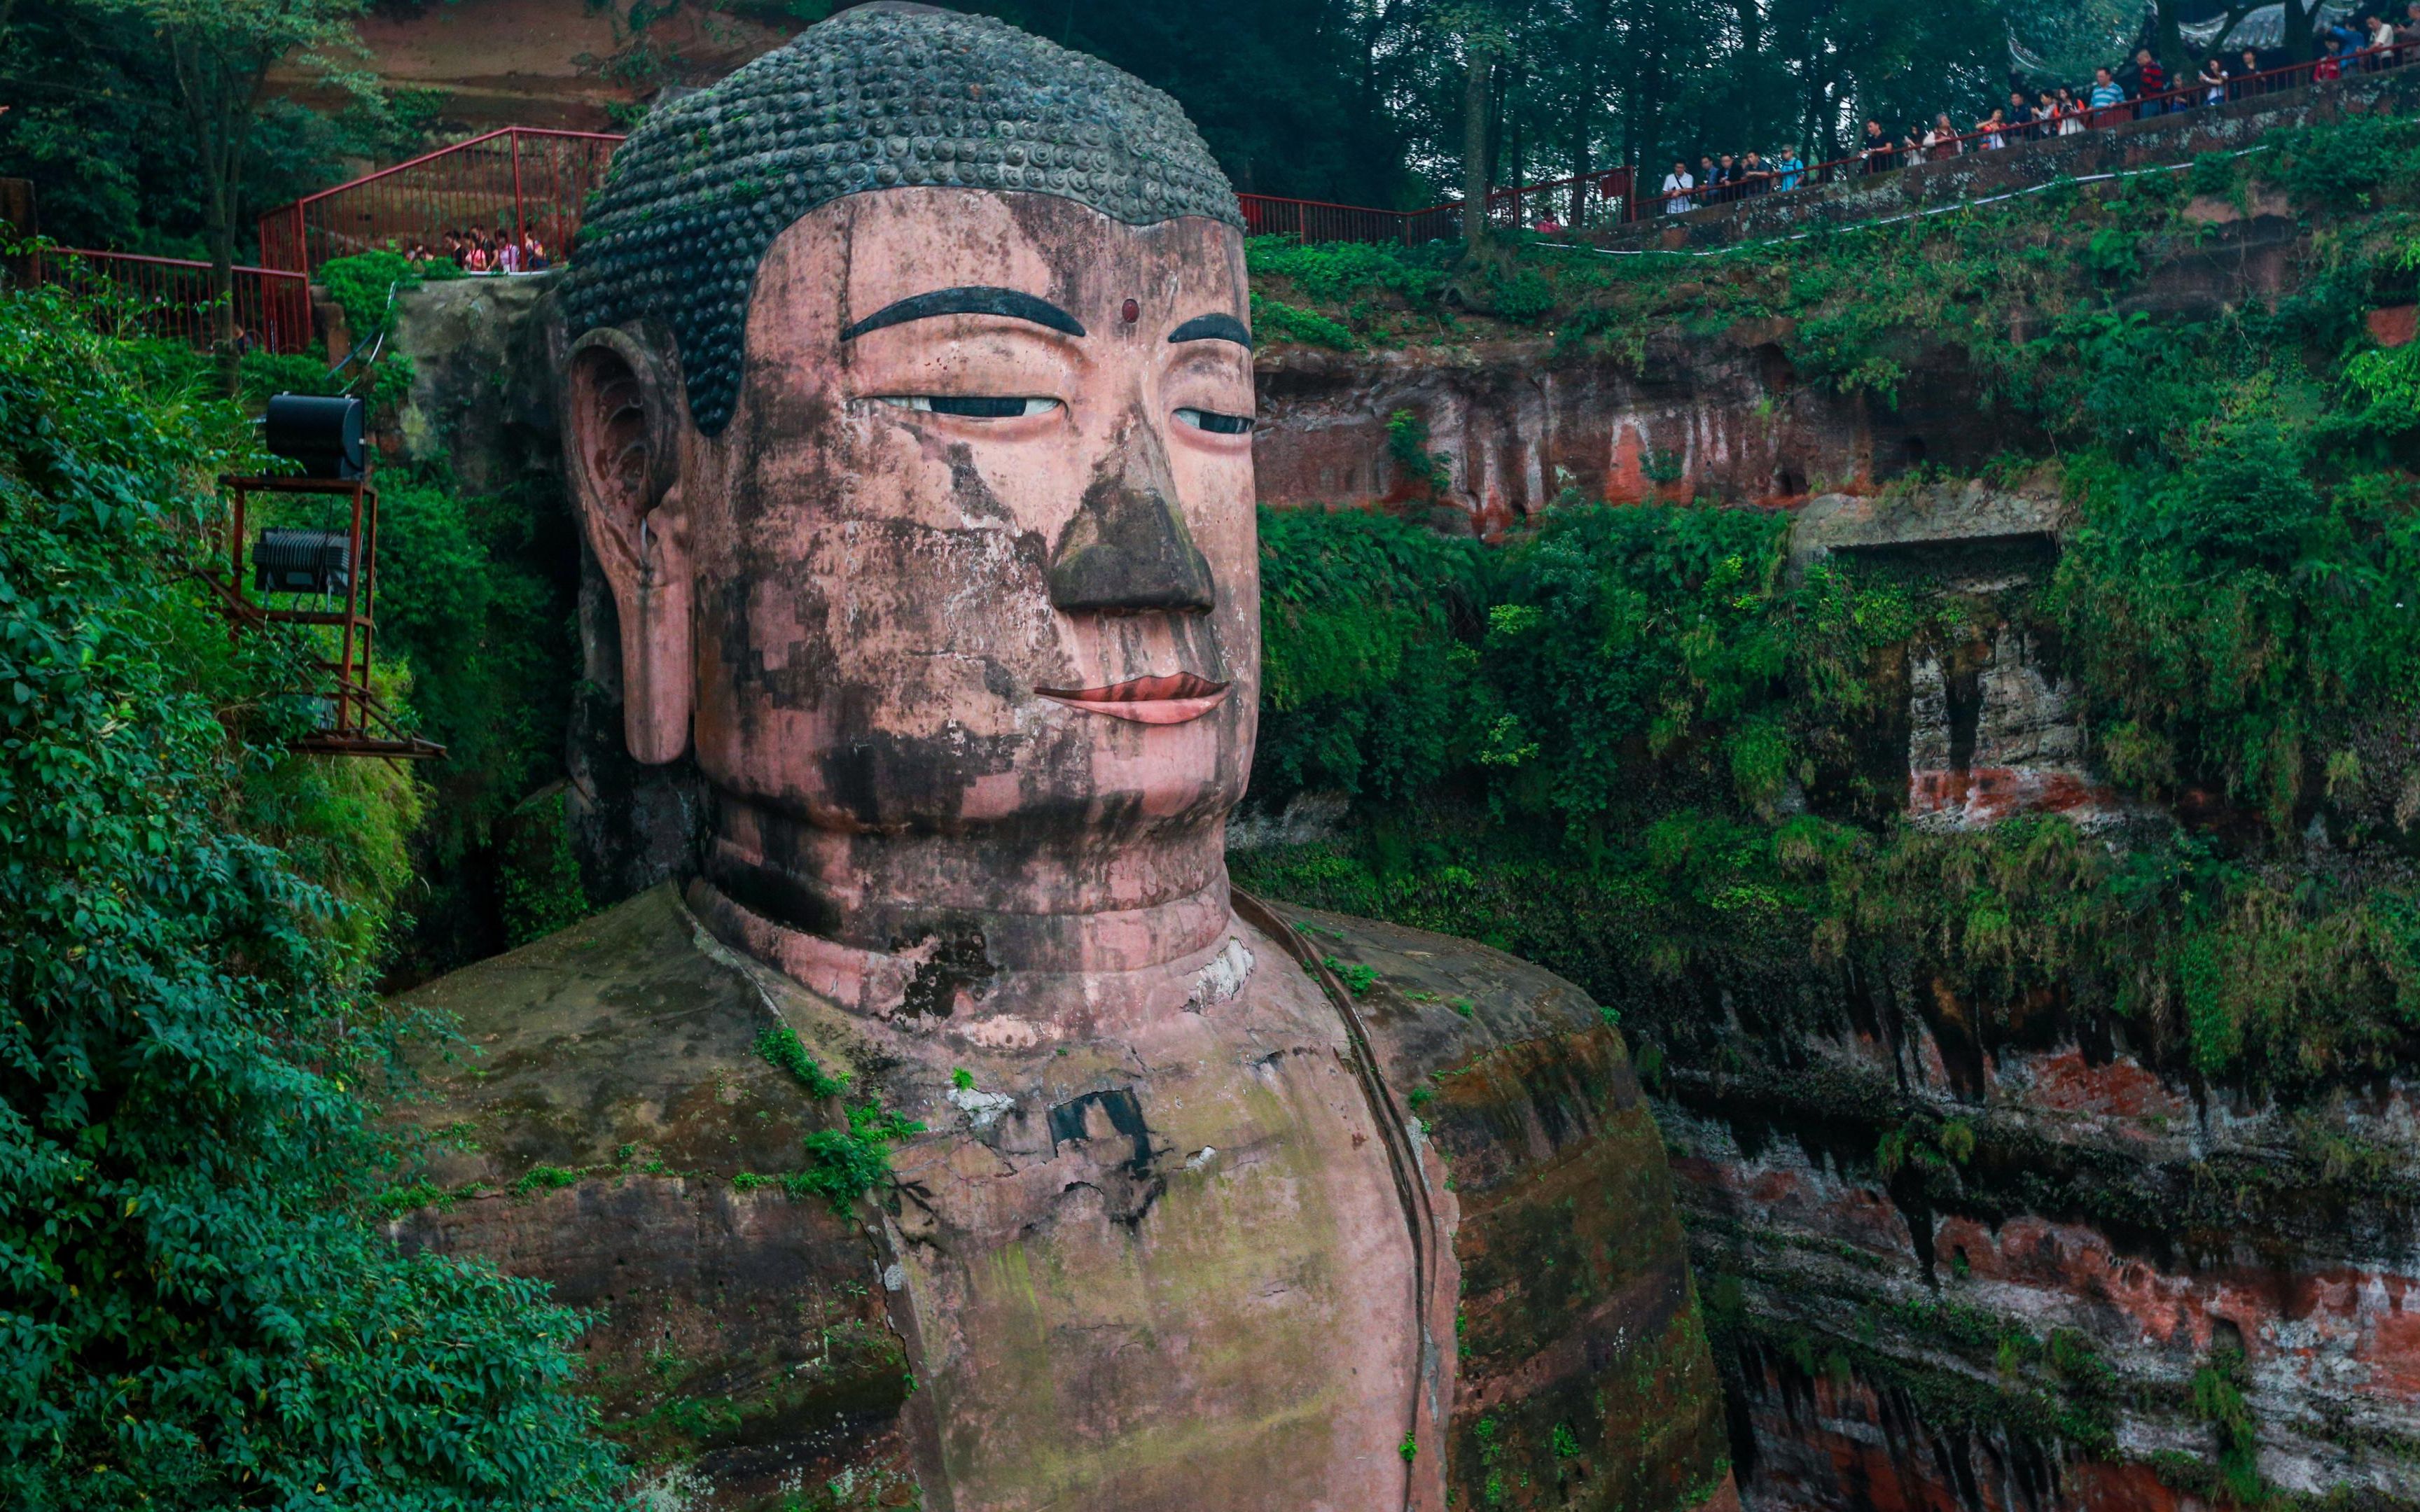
517,183
1590,199
174,297
2194,94
1593,199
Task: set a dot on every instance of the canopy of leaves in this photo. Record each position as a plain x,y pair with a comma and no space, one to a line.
194,1310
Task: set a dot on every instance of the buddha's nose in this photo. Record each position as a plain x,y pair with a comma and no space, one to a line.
1127,548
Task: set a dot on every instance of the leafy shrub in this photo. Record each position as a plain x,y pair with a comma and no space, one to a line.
195,1311
845,1164
476,593
1273,320
1407,442
2341,164
1631,627
366,285
1364,683
538,881
1525,294
1344,273
781,1048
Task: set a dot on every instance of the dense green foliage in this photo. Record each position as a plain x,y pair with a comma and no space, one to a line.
1667,766
1364,679
195,1311
476,593
1677,772
96,122
1353,101
1361,100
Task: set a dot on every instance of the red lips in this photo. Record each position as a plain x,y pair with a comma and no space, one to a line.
1173,699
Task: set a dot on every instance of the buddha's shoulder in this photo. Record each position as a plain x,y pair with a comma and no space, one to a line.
605,1121
631,1034
1435,1002
1576,1305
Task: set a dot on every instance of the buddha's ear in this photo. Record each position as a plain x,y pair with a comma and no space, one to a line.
621,437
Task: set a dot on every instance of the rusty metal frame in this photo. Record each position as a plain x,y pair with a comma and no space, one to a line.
362,726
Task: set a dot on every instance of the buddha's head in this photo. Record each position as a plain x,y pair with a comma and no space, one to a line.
908,415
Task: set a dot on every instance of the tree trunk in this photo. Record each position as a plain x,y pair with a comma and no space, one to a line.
222,235
2173,54
1519,173
1478,74
1647,110
1751,95
2300,44
1584,113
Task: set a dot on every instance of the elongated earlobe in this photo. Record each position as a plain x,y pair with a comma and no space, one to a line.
621,437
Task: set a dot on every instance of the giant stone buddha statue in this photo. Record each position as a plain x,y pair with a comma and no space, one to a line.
907,405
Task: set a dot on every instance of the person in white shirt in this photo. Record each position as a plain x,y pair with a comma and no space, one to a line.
1677,185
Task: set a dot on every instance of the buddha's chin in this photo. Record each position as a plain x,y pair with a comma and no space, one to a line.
1152,807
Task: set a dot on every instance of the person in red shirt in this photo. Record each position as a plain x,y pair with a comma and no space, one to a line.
2330,66
2149,81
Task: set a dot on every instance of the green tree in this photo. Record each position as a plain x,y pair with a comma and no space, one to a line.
195,1311
221,54
1481,31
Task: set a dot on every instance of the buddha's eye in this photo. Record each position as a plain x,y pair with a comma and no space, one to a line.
972,407
1215,422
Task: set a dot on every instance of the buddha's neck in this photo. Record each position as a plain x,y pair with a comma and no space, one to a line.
857,916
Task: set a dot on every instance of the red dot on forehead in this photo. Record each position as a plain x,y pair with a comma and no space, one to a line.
1131,312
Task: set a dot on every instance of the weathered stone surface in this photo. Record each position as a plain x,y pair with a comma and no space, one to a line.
1576,1311
608,1101
1967,514
1726,419
613,1100
483,388
2158,1225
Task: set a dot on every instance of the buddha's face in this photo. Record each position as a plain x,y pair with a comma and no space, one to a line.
975,555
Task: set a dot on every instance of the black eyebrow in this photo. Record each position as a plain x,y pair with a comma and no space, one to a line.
974,300
1213,328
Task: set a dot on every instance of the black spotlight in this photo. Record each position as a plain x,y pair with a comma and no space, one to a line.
302,562
322,434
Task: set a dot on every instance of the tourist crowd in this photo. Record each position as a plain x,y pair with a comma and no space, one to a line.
477,250
2139,89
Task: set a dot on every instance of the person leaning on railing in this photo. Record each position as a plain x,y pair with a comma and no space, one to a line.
2061,112
2107,96
1876,148
1677,187
2147,81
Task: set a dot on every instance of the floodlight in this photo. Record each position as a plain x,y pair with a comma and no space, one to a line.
323,434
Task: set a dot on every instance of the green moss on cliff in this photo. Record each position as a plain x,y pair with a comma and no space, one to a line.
1676,774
